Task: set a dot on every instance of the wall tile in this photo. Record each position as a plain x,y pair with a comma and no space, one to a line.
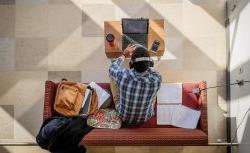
7,121
7,54
165,1
7,2
88,76
124,10
199,53
173,55
203,14
7,18
65,20
75,54
18,2
60,2
22,87
28,120
31,54
92,20
31,21
57,76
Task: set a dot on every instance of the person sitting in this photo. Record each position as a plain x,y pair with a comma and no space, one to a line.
134,90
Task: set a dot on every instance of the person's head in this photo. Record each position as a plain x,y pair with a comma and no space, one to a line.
141,66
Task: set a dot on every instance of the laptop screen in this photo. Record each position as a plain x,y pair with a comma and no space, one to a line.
135,26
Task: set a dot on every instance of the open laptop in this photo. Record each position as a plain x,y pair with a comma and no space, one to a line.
135,31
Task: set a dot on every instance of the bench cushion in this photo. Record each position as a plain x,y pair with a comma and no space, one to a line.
145,136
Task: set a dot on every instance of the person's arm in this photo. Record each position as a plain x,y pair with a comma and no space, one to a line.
116,69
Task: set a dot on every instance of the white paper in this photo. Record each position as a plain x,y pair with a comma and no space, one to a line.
185,117
170,93
177,115
165,114
101,93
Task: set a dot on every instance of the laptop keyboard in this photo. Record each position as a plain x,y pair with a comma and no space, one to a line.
142,39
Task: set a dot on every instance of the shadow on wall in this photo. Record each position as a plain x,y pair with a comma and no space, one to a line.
244,147
212,9
234,9
29,117
204,62
236,73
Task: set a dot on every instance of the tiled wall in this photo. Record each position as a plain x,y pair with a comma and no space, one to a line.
54,39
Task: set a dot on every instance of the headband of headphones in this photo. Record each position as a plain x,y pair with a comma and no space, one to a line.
140,59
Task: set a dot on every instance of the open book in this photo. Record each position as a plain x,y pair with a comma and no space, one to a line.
170,110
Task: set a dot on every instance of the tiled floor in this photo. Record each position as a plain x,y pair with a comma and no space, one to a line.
54,39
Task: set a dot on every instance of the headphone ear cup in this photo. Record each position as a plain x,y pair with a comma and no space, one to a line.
131,64
151,64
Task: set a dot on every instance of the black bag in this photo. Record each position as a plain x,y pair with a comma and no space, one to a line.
62,135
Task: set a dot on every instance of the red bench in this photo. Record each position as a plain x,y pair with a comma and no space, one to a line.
149,133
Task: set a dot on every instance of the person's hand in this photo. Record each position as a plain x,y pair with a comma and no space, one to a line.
130,49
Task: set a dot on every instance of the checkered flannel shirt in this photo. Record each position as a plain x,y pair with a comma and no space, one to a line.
137,92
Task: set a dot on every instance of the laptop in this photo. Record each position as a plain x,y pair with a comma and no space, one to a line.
135,31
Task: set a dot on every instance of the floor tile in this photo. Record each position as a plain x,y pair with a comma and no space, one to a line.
7,122
6,149
29,149
7,18
187,149
31,54
7,54
31,21
100,149
57,76
132,149
65,20
92,20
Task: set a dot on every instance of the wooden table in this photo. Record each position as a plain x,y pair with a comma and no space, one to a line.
156,32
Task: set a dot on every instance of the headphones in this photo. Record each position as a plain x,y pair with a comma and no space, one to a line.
149,61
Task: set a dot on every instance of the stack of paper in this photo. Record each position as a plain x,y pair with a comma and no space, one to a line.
101,93
170,110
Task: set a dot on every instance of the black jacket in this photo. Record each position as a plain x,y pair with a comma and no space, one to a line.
62,135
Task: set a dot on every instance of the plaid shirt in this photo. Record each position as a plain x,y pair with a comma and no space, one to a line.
137,92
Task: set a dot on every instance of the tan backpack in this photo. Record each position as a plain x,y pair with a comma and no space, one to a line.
69,98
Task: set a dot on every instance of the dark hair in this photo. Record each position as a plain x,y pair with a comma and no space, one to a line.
143,65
